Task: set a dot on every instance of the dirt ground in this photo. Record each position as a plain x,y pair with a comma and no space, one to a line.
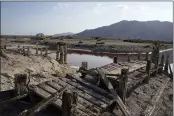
39,66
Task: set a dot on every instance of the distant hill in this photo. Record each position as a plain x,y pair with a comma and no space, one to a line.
153,30
63,34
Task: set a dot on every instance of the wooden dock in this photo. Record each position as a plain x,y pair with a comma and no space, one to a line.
92,100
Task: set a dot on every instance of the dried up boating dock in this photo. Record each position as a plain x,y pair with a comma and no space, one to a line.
119,87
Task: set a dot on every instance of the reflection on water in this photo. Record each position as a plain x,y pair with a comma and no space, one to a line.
93,61
75,59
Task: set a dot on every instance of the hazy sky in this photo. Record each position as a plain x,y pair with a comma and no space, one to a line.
58,17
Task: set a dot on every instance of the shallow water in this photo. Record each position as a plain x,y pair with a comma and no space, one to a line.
75,59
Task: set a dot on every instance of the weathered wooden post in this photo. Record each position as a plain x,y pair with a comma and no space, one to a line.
65,53
23,50
148,69
61,54
36,49
46,51
115,60
5,47
69,103
19,48
28,50
20,83
147,56
128,58
166,67
123,84
161,64
155,53
156,65
139,56
40,51
84,65
58,52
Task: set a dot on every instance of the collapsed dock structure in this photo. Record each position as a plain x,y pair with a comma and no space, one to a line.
131,88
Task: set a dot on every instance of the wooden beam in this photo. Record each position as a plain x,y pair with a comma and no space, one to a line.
20,83
105,93
120,103
166,67
148,70
123,84
69,103
115,60
43,103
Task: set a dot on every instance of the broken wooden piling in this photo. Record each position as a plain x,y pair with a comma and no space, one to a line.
139,56
65,53
128,58
46,51
123,84
44,103
161,65
20,83
147,56
36,49
115,60
58,52
84,65
61,54
166,67
148,70
69,103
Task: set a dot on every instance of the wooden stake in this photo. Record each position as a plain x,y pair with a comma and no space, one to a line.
148,70
65,53
156,65
69,103
147,56
128,56
20,83
58,52
139,57
84,65
36,49
123,84
43,103
115,60
61,54
166,64
161,64
46,51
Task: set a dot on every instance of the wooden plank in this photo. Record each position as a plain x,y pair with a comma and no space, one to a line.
91,86
47,88
83,104
121,105
42,93
83,92
88,91
151,107
44,103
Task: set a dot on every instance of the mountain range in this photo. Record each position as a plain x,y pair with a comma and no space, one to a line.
146,30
